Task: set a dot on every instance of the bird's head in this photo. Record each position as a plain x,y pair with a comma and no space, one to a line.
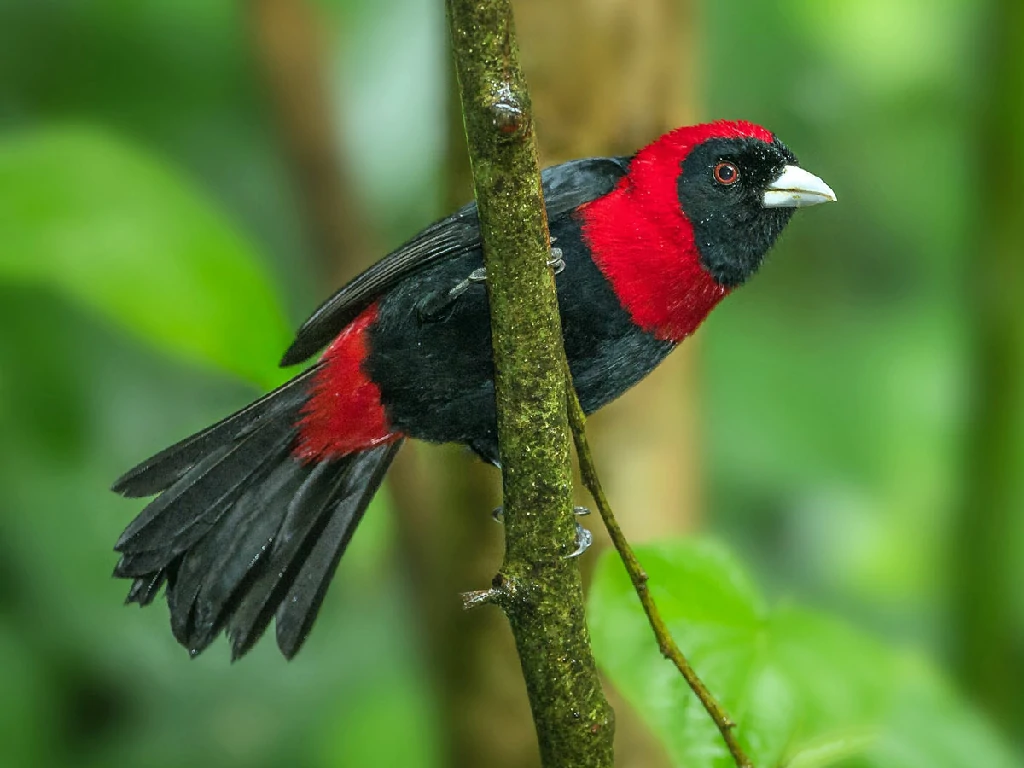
735,184
693,218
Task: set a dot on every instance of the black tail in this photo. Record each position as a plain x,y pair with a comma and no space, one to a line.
242,530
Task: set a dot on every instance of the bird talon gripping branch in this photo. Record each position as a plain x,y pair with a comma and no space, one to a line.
252,514
476,276
556,262
435,306
584,539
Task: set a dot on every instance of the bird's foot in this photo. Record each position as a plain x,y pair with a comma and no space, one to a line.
438,305
478,275
584,539
435,307
557,260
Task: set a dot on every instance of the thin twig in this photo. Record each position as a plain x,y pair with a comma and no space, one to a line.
668,647
479,597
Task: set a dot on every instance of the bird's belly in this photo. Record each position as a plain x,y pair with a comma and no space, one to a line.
436,374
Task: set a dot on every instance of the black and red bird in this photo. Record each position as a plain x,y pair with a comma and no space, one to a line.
254,512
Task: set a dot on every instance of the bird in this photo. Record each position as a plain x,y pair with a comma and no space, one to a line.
251,515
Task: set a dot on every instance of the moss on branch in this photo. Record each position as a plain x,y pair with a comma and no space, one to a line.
539,589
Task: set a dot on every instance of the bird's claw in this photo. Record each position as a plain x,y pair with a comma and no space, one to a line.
584,539
557,260
478,275
436,306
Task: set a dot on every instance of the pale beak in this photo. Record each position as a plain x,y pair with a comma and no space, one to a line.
796,188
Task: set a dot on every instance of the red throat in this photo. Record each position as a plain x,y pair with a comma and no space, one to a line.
643,243
344,413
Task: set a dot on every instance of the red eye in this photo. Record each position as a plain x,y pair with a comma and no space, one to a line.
727,173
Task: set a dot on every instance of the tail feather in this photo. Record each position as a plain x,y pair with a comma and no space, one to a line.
189,516
299,609
165,468
304,519
173,492
222,549
213,572
145,588
208,488
243,529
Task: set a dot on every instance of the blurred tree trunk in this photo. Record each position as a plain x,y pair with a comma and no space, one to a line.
442,497
445,496
289,45
988,619
450,544
606,76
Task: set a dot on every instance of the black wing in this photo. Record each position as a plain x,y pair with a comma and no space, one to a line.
566,187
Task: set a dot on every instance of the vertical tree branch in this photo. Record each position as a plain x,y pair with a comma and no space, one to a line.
988,634
540,591
629,75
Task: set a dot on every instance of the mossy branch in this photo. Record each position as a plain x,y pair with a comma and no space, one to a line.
668,647
538,587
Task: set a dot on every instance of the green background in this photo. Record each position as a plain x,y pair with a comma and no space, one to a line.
153,264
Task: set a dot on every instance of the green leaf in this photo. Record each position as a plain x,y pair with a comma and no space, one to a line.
805,690
122,234
832,749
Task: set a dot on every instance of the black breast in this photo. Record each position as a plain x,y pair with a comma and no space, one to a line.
431,357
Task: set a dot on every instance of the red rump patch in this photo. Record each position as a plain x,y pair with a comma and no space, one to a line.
643,243
344,413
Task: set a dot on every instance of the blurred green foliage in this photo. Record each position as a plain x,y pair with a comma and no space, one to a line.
145,216
846,420
81,209
808,690
141,195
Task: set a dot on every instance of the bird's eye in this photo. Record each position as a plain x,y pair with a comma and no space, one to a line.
726,173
